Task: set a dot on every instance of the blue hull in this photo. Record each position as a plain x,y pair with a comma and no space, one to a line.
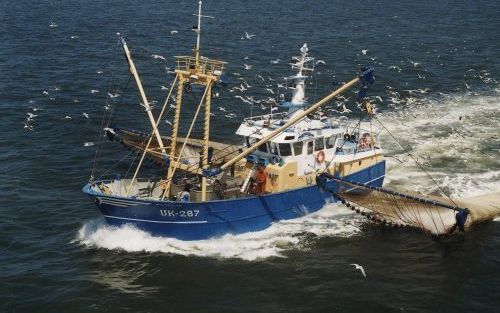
195,221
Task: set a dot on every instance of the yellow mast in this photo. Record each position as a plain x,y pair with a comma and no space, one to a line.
206,137
201,71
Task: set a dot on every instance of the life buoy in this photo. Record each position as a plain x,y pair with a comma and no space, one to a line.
320,157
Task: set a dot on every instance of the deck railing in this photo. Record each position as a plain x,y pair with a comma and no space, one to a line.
205,66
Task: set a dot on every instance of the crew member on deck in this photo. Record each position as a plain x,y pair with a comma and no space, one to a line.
260,180
184,195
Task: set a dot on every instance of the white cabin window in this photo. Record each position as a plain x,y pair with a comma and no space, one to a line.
319,144
330,141
297,147
285,149
310,146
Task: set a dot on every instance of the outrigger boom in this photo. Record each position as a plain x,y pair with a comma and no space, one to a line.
133,70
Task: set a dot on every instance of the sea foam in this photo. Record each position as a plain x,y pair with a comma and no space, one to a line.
332,220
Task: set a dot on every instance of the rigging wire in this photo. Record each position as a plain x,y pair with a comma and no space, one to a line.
416,162
99,139
114,165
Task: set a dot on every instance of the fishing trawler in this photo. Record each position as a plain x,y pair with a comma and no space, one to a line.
212,189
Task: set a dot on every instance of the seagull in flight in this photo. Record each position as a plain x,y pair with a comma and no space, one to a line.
173,32
242,99
157,56
247,66
241,88
364,51
320,62
359,267
415,64
248,36
30,117
345,110
147,108
28,126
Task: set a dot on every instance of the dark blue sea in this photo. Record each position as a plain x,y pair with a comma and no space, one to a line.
436,90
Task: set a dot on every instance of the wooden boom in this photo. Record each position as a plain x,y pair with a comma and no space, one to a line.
143,96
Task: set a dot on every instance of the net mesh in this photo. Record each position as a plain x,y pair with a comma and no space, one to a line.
398,210
436,215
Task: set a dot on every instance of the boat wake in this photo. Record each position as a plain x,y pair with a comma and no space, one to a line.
332,220
454,137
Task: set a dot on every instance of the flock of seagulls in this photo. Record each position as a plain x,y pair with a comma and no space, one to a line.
268,103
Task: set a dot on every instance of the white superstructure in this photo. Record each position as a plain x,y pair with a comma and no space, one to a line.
317,142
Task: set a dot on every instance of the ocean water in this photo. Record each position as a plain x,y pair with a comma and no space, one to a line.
436,64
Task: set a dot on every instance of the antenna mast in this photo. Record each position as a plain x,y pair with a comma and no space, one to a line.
198,33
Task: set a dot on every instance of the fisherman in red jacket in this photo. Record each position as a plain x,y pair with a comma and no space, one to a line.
260,180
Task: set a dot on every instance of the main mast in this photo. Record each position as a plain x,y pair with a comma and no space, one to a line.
200,71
